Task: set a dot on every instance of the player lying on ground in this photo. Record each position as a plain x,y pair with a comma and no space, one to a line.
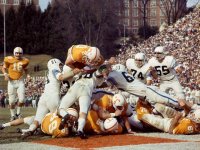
50,123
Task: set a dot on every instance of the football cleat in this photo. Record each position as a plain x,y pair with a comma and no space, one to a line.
63,122
19,130
18,116
1,127
82,135
26,134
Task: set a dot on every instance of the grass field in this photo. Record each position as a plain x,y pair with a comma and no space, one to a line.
9,134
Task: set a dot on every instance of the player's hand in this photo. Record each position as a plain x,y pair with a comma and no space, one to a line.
77,70
6,76
131,132
118,112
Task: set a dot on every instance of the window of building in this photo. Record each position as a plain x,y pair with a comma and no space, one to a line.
126,22
153,22
126,3
135,12
135,22
153,12
153,3
135,30
126,12
135,3
28,2
16,2
3,1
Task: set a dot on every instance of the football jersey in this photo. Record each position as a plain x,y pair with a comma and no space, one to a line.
125,82
91,81
165,69
78,54
50,125
185,126
91,125
106,103
142,109
52,83
15,66
140,73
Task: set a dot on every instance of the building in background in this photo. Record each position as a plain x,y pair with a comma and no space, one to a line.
155,12
16,3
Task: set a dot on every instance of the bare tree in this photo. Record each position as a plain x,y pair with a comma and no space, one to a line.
173,9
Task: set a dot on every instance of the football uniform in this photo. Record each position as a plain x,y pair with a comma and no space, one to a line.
77,54
16,69
167,74
50,125
92,125
15,66
50,98
106,103
140,73
81,91
124,81
186,126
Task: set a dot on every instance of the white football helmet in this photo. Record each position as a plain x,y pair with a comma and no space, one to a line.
196,116
93,56
118,101
110,124
119,67
160,52
54,63
18,50
140,59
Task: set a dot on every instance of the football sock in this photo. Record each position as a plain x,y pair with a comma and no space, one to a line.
81,124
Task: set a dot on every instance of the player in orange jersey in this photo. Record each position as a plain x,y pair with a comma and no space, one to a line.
113,106
14,69
174,122
79,56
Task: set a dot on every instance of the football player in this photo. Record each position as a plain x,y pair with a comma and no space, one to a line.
124,81
113,106
81,91
175,123
79,56
49,124
14,69
167,69
50,98
139,68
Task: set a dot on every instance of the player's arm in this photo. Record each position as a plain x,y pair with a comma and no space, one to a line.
174,122
4,71
127,125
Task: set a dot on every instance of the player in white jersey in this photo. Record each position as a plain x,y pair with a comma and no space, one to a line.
81,91
139,68
166,67
50,98
124,81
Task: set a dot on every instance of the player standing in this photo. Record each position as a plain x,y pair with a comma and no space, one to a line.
13,69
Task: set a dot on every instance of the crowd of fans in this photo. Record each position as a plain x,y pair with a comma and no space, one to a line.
182,40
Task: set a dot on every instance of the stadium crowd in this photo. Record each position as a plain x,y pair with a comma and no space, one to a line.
183,42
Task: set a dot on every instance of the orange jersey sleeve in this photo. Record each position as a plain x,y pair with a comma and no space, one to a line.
106,103
185,126
142,109
50,126
15,66
91,124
